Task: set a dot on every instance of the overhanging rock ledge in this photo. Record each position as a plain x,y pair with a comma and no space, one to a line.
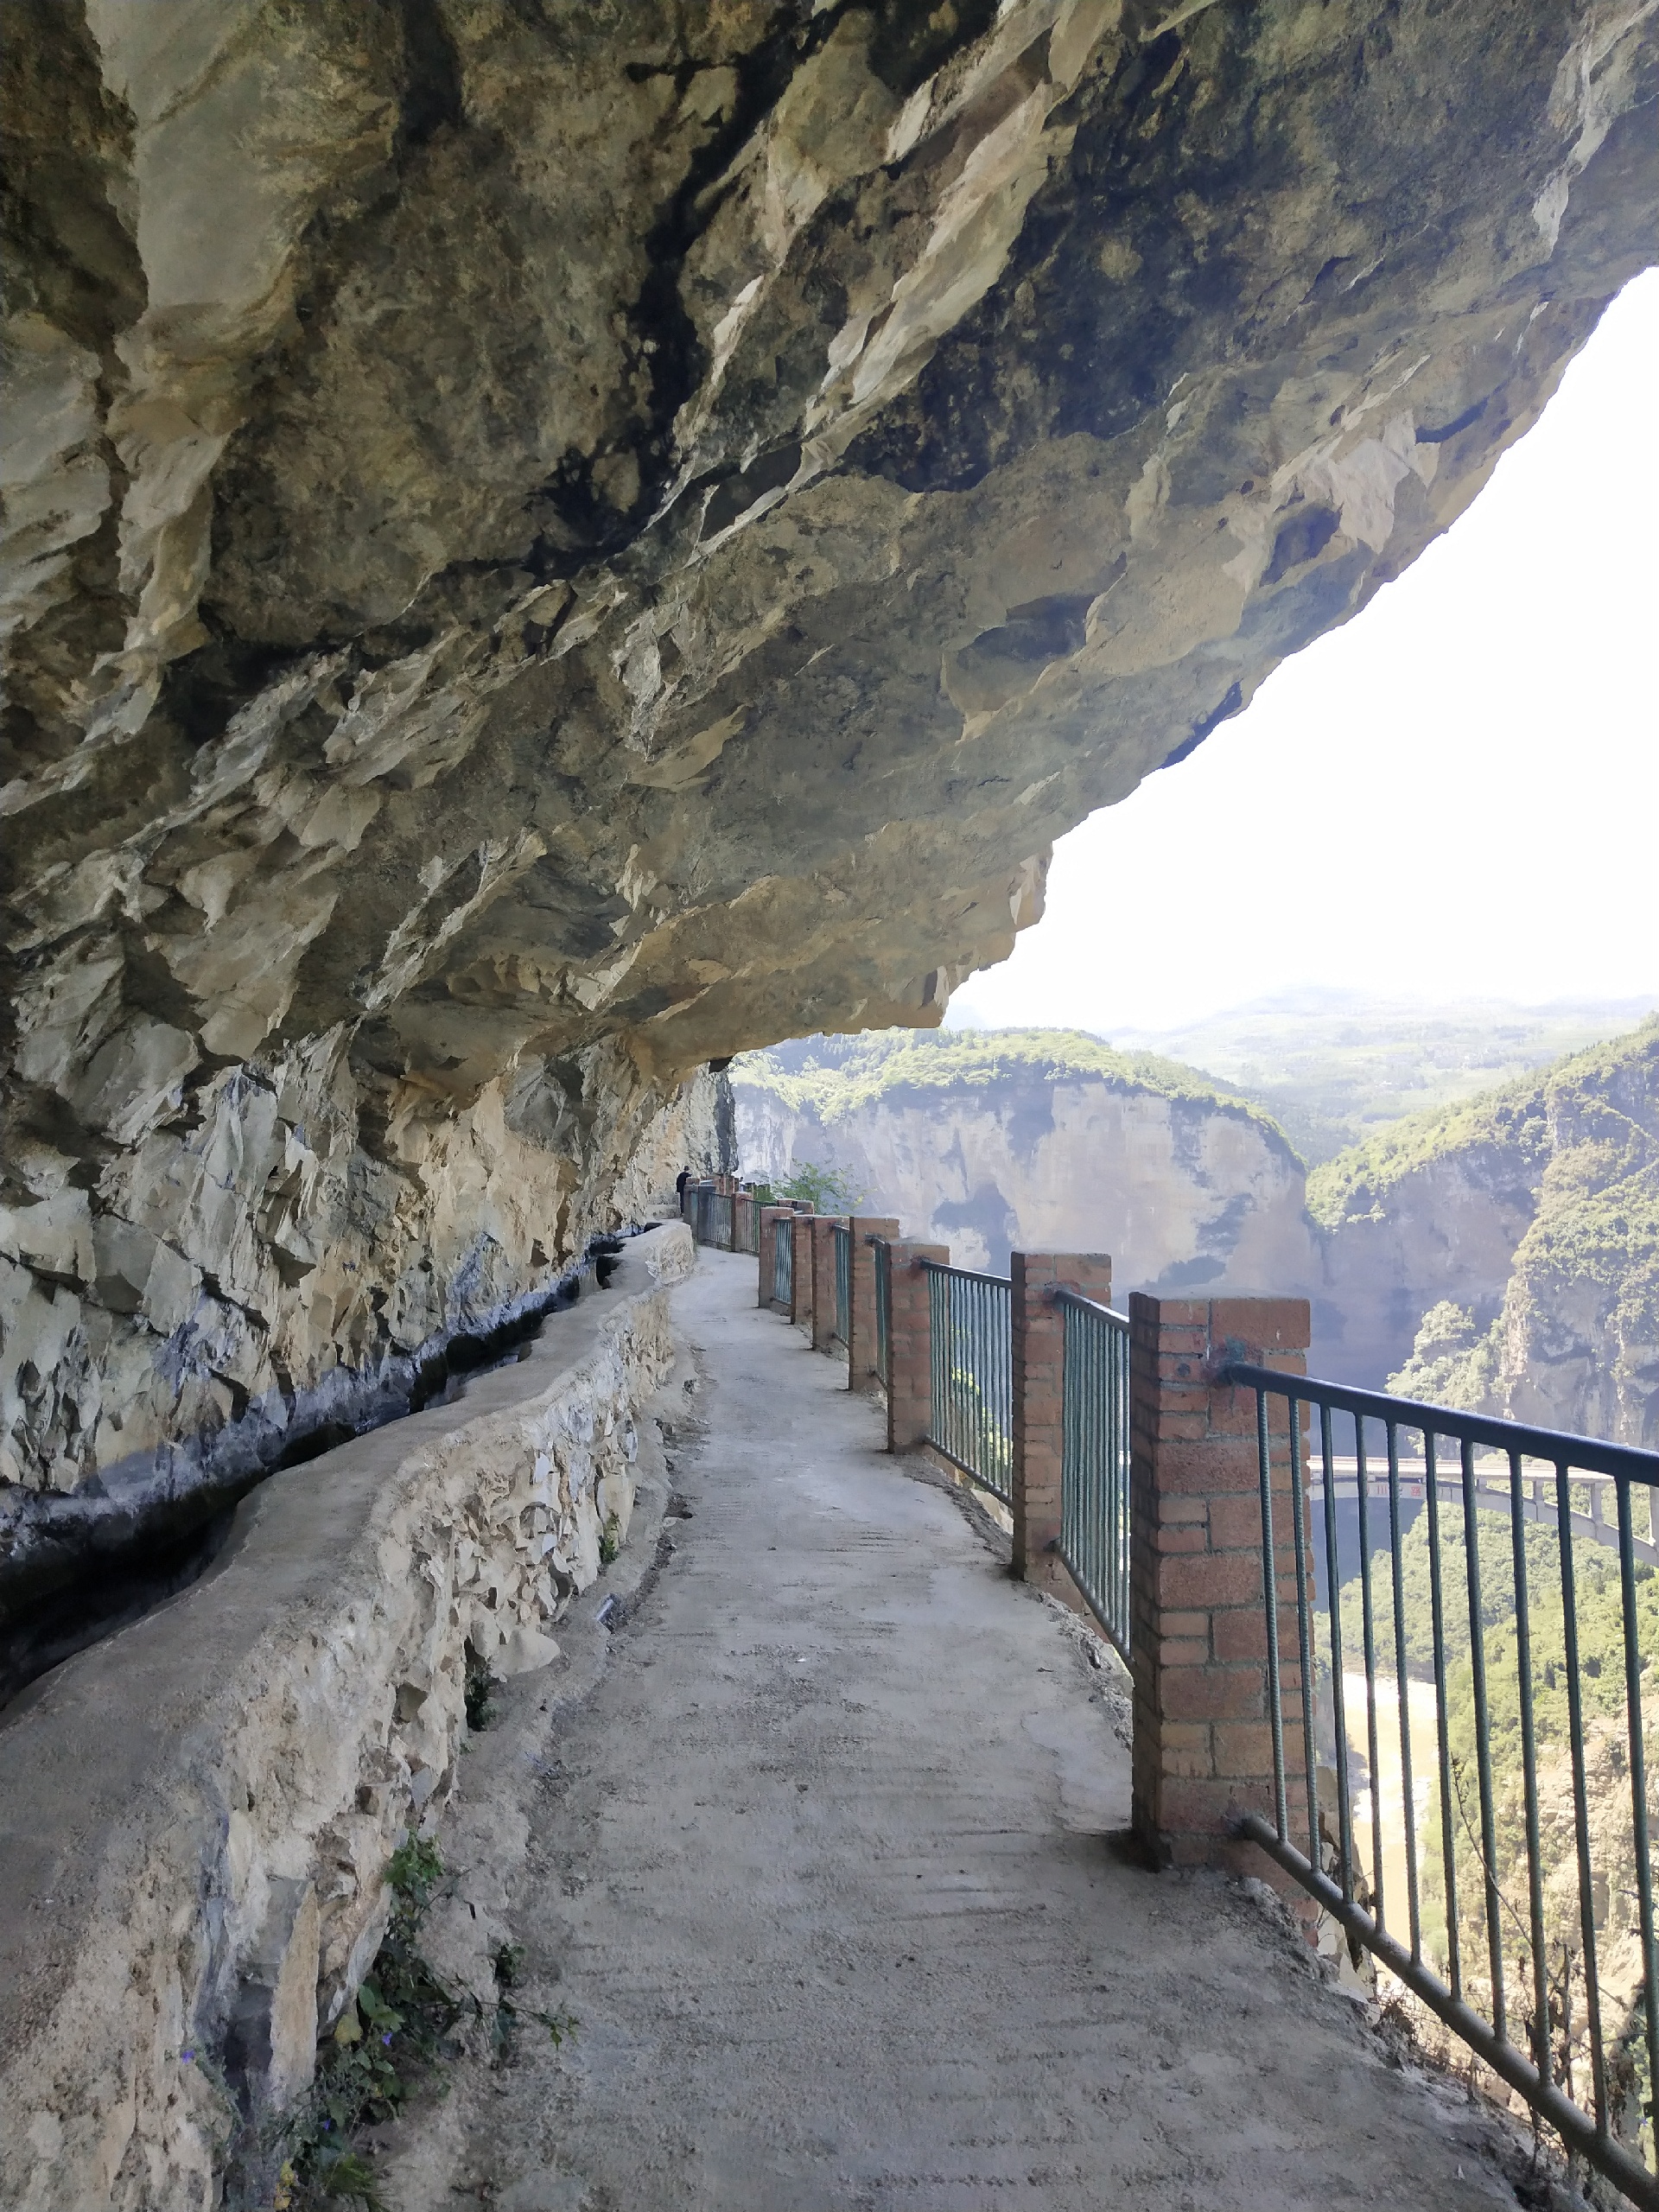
549,544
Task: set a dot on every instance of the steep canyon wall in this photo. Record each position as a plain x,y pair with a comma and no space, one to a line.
1501,1253
549,543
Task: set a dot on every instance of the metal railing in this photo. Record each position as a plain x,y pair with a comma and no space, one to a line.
709,1214
883,1306
1095,1460
1468,1738
971,1325
843,1237
783,1262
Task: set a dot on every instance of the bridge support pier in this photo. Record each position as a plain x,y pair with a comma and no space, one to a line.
1202,1737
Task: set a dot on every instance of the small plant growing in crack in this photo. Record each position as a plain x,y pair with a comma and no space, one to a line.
610,1539
508,1961
400,2019
477,1691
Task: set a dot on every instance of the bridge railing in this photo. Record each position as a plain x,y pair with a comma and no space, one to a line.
843,1237
972,1356
1461,1769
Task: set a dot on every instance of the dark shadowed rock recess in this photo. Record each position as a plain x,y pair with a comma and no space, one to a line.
549,543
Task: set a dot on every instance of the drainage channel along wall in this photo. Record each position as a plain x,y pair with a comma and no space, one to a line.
196,1815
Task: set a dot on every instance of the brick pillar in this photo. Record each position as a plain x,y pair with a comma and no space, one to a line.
775,1221
1202,1747
825,1226
742,1210
800,1310
861,1351
910,1374
1038,1355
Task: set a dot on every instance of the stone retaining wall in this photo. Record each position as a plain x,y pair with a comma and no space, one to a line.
195,1816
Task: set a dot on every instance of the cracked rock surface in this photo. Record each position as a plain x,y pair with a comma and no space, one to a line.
547,544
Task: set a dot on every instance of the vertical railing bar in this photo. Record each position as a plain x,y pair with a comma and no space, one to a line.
1540,2036
1368,1622
1491,1896
1638,1783
1338,1702
1442,1725
1270,1593
1580,1804
1304,1626
1402,1697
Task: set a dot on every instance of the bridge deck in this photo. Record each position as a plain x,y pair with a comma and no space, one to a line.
823,1864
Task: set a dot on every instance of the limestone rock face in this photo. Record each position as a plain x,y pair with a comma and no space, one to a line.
1184,1189
1510,1247
548,543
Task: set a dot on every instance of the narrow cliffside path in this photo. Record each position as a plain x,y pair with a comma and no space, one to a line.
822,1866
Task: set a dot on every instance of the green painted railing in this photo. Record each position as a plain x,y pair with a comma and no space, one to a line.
1095,1460
972,1348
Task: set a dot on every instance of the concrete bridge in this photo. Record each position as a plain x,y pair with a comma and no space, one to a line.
824,1851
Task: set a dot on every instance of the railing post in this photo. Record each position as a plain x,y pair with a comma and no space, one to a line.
742,1211
771,1219
1203,1740
825,1226
860,1321
910,1370
800,1309
1038,1344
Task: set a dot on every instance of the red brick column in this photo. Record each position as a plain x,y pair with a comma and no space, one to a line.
774,1222
910,1374
1038,1354
1203,1745
861,1351
800,1311
825,1226
742,1213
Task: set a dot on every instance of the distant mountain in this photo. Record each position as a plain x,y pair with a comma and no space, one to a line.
1499,1251
1334,1066
1046,1140
1565,1165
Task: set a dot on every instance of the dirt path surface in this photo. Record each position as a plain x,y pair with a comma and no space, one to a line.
820,1863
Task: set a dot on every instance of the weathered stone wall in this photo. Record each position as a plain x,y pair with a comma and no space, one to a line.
548,543
198,1813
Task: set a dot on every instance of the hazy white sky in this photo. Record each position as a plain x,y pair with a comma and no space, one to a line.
1456,795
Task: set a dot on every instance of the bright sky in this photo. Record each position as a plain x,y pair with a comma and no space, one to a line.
1456,795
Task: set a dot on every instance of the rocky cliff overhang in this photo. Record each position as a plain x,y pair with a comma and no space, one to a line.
549,543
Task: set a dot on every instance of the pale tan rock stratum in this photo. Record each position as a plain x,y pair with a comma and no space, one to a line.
548,543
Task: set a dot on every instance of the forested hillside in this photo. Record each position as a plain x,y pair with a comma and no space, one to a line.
1571,1161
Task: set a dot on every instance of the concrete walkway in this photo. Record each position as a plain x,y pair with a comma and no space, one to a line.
822,1865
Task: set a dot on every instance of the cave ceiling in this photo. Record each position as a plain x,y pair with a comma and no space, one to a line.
548,543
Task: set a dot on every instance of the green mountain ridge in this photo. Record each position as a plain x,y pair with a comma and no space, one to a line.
837,1077
1336,1067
